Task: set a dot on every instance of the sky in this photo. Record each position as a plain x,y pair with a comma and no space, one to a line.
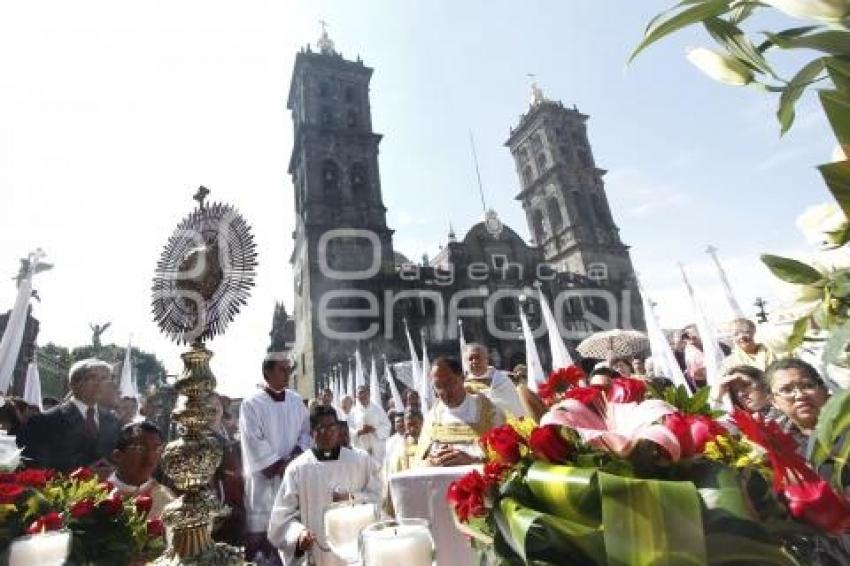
112,113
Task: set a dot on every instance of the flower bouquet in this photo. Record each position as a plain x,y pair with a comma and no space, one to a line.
105,528
613,476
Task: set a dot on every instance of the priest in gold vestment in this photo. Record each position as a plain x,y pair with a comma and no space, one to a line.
455,423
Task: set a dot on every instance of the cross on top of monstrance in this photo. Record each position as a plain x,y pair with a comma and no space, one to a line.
203,276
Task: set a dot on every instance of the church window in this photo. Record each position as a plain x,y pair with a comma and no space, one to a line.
324,90
527,175
330,177
536,143
597,272
350,94
541,161
537,225
327,117
351,119
359,180
556,219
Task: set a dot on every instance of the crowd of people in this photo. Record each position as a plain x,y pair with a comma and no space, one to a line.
288,457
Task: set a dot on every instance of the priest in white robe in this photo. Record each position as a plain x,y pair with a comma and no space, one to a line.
368,426
494,383
315,479
275,428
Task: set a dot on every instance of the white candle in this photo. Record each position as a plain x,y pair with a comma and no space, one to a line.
47,549
410,545
343,526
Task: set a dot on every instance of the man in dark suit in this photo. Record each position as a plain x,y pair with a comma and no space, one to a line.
76,432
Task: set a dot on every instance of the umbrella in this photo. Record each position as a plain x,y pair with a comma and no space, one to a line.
614,342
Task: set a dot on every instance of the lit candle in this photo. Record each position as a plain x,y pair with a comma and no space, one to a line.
47,549
343,525
407,542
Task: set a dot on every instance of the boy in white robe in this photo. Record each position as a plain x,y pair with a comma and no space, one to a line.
369,426
495,384
315,479
274,428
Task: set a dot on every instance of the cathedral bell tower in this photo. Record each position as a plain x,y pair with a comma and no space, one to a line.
342,241
563,194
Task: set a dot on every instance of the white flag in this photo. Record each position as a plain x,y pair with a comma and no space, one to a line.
127,387
425,379
712,354
664,362
10,344
359,372
536,376
416,370
374,388
462,340
399,404
560,355
32,389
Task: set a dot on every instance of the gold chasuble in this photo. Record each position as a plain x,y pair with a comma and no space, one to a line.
460,426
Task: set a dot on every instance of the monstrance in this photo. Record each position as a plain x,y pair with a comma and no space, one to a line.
203,276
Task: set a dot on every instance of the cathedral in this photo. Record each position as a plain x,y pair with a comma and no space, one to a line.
353,291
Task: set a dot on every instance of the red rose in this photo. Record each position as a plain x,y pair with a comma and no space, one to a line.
8,477
49,522
143,504
814,502
626,390
34,478
113,505
559,381
585,395
82,508
693,431
494,472
547,443
81,474
467,496
156,528
505,442
9,493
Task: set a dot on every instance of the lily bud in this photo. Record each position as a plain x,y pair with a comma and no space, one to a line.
824,225
721,68
829,11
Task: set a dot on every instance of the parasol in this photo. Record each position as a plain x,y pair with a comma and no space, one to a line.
615,342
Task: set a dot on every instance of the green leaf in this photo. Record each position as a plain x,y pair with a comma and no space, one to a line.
737,44
794,89
728,548
699,401
837,178
831,441
834,42
792,271
662,27
798,332
836,344
742,11
649,522
836,104
786,34
839,72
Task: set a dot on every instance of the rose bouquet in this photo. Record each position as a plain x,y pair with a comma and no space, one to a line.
106,528
612,476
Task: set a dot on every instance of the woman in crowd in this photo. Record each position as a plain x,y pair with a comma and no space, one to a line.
748,390
798,393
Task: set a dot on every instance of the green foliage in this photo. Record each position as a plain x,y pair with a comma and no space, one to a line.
682,15
831,438
681,398
793,271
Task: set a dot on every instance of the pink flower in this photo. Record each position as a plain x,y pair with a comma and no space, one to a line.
626,390
693,432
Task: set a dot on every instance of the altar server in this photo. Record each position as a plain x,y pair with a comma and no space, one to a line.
318,477
368,425
275,429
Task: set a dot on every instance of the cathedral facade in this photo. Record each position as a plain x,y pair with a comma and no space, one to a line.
353,291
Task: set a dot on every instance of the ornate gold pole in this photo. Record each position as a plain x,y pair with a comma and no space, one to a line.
190,461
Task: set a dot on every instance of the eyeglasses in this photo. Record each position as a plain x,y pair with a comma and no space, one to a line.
790,390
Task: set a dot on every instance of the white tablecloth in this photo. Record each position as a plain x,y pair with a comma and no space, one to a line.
420,493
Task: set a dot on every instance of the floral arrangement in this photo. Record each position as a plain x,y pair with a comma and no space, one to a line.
627,475
106,528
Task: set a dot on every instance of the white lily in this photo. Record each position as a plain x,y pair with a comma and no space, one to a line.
824,225
722,68
828,11
617,427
